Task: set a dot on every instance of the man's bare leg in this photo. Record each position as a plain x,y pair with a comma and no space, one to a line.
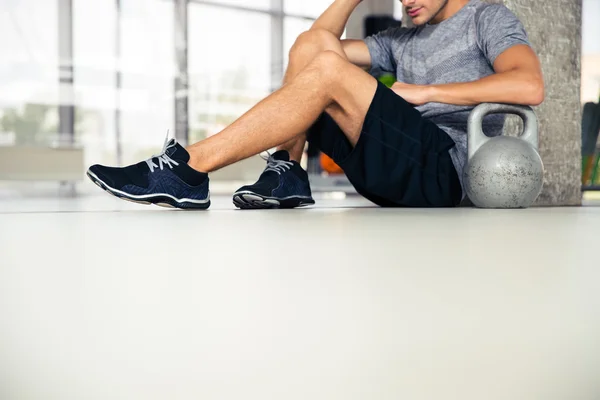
308,45
329,83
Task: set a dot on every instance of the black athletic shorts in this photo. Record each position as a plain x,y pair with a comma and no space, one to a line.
401,159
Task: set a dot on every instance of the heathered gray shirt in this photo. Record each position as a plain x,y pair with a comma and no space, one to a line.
462,48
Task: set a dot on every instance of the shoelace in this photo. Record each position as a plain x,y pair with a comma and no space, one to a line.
163,158
278,166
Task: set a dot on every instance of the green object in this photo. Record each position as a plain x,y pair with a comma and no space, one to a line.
388,80
595,171
590,127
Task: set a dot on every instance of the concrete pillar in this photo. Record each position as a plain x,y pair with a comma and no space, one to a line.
277,45
182,73
554,29
118,81
66,108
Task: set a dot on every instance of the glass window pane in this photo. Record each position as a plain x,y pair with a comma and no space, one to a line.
292,28
256,4
28,72
229,75
94,79
398,10
147,64
590,58
145,100
309,8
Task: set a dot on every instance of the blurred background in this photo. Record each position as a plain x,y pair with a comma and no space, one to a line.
102,81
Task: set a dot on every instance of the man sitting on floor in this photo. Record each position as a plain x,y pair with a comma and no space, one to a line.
399,147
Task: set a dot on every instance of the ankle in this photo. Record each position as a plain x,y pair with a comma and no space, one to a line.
294,155
197,162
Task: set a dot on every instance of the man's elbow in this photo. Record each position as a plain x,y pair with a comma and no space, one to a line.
537,91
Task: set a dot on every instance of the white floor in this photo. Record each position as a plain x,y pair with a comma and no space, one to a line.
103,299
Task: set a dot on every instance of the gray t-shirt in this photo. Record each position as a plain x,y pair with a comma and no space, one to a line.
462,48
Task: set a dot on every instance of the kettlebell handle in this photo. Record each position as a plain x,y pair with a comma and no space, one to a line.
477,138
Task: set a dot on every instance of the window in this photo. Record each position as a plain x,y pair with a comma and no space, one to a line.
28,72
94,79
147,65
232,64
308,8
590,62
292,28
264,5
232,71
398,10
229,66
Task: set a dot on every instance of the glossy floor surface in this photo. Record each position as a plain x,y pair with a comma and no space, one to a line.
102,299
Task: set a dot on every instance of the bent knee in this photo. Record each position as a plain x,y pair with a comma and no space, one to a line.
315,40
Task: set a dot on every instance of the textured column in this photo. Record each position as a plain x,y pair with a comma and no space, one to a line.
182,74
554,28
118,80
277,45
66,108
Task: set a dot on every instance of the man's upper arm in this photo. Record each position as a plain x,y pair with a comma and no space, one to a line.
498,29
523,60
520,57
357,52
381,48
504,42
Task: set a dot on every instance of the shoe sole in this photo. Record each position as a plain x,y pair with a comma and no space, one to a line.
254,201
161,200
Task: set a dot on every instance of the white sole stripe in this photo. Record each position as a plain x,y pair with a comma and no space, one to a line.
148,196
272,198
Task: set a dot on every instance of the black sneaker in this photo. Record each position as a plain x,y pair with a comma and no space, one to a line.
283,184
165,180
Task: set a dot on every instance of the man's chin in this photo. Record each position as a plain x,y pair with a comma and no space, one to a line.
420,20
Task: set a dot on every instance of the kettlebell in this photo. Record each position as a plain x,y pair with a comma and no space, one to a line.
503,171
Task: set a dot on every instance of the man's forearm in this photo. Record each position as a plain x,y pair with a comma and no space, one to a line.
512,87
335,18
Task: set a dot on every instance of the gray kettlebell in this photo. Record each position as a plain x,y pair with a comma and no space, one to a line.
503,171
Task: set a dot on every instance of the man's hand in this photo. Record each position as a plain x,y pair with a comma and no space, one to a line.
414,94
